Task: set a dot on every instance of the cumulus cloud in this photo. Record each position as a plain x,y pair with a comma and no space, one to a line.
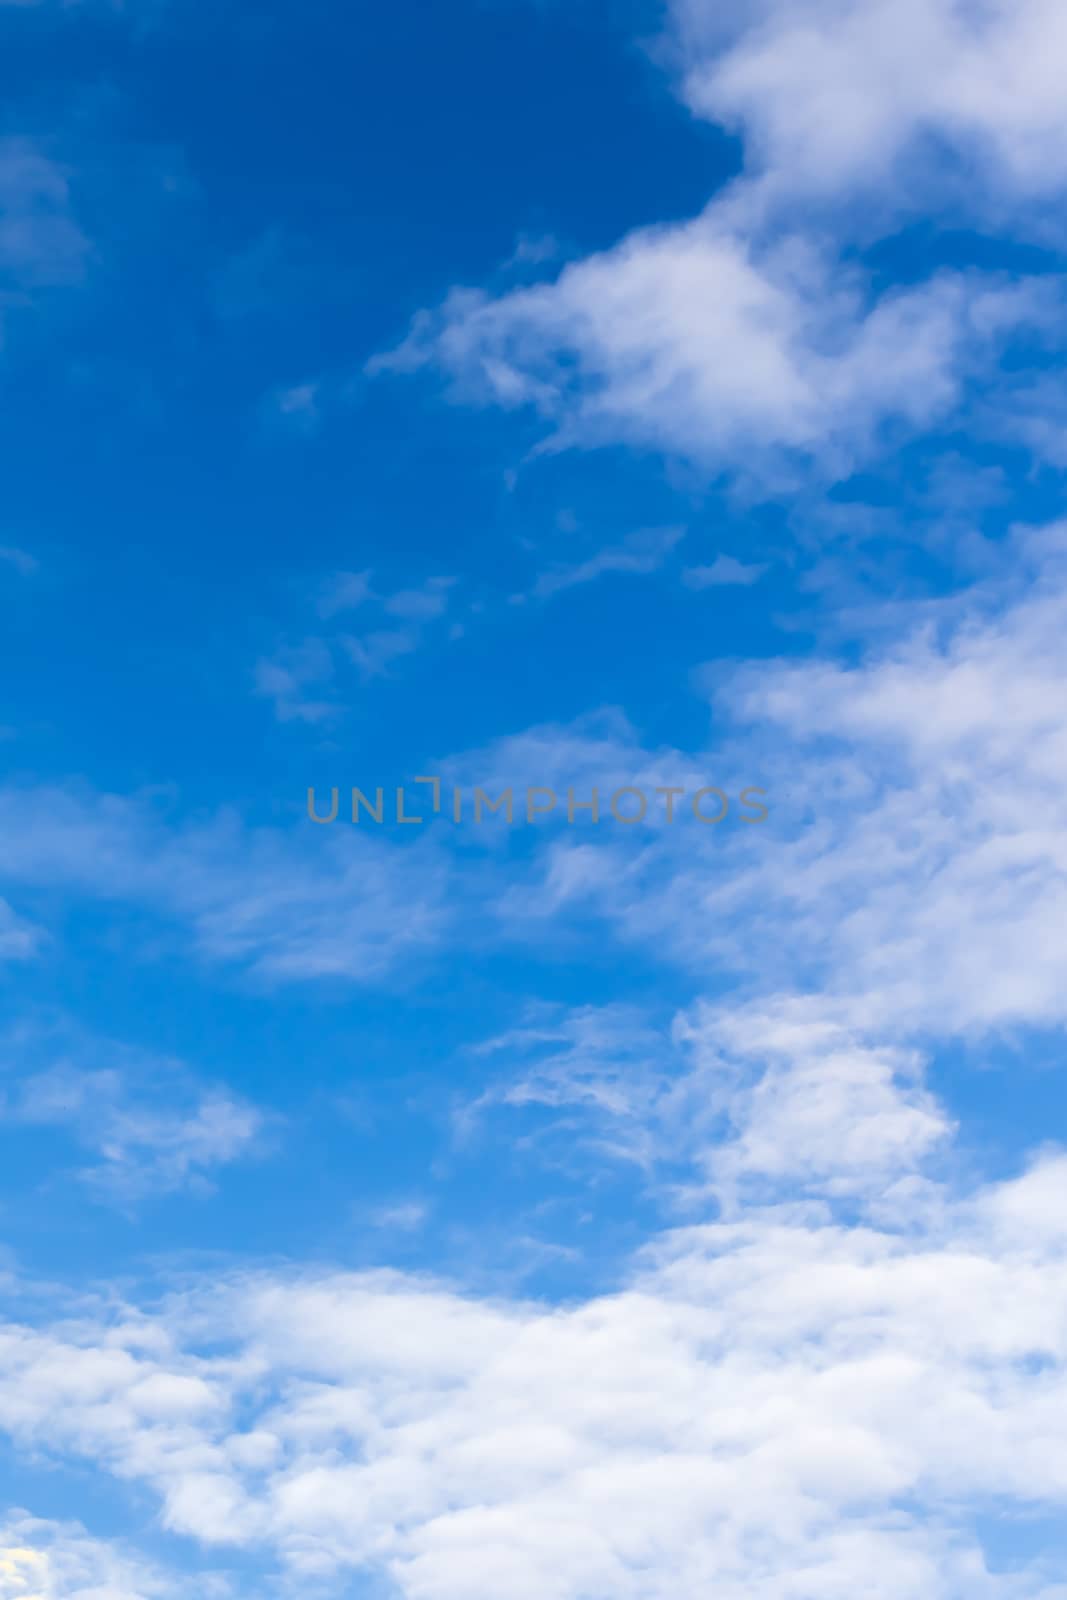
42,1560
849,1362
700,342
902,99
744,1103
747,340
759,1406
854,1357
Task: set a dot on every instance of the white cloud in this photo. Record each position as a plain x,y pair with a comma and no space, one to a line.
761,1407
734,354
639,553
415,609
901,100
282,905
405,1217
21,560
812,1108
829,1388
913,795
374,652
41,1560
828,1385
41,245
776,1099
19,939
533,250
610,1066
299,406
146,1137
345,591
422,604
298,677
724,571
1033,414
747,340
932,876
287,676
913,867
849,1364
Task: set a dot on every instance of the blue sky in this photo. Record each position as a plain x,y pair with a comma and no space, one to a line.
591,397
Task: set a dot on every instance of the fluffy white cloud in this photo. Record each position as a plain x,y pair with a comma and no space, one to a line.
895,98
761,1406
914,865
768,1397
849,1363
748,333
932,879
698,341
41,1560
779,1097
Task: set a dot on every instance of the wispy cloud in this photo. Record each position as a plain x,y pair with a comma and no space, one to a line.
724,571
345,591
21,560
375,652
19,939
41,243
895,786
304,681
297,406
282,905
139,1148
533,250
422,604
639,553
912,86
287,678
